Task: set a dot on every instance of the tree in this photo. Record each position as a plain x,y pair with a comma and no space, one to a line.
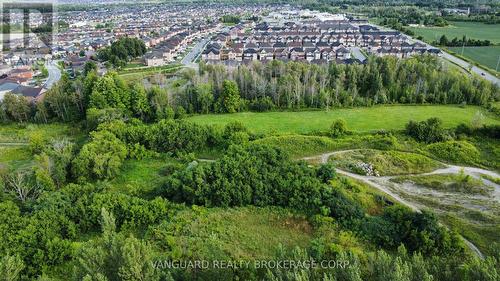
229,99
16,108
205,98
89,66
63,102
22,187
428,131
114,257
101,158
11,267
338,128
443,41
139,102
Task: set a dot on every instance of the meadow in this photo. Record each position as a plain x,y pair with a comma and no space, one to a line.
364,119
487,56
472,30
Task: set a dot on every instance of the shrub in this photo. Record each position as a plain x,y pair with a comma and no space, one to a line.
262,104
385,142
338,128
455,151
428,131
326,172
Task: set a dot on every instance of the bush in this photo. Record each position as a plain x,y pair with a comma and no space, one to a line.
384,142
176,136
326,172
338,128
428,131
262,104
491,131
455,151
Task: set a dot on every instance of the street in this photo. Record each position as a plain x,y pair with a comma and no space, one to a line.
54,74
190,58
481,72
356,52
465,65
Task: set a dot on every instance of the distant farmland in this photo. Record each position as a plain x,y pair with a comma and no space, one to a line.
487,56
472,30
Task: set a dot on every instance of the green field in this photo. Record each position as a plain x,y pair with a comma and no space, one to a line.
358,119
474,30
487,56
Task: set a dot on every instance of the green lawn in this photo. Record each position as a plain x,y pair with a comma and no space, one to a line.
358,119
474,30
487,56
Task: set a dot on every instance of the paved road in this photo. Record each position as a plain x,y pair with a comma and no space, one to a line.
358,54
481,72
54,74
191,57
465,65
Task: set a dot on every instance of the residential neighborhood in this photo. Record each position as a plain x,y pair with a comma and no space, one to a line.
302,35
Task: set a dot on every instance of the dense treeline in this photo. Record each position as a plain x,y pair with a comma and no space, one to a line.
257,87
297,85
487,19
455,42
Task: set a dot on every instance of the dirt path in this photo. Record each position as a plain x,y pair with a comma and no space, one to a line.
384,184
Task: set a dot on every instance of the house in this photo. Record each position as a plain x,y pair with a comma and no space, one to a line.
32,94
154,59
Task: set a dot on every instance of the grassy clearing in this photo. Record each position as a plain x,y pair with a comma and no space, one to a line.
358,119
474,30
236,233
14,157
14,152
459,152
492,179
386,163
299,145
448,182
20,133
141,177
489,150
132,75
487,56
